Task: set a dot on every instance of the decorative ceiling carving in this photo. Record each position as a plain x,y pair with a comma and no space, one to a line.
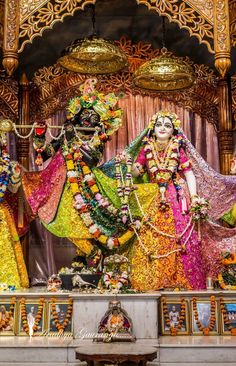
194,15
205,7
187,16
28,7
53,86
45,15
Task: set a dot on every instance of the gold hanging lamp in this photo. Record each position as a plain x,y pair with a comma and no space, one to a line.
93,55
165,73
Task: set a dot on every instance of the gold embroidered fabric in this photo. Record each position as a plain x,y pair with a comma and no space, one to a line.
13,270
147,275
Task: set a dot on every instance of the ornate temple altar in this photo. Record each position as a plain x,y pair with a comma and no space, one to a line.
45,326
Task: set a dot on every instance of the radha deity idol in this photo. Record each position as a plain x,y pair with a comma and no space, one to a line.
169,252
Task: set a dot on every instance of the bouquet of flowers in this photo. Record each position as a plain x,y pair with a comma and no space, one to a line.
199,208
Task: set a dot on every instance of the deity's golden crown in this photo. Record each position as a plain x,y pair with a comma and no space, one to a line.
101,103
173,117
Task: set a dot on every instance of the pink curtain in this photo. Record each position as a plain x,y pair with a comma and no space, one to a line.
48,253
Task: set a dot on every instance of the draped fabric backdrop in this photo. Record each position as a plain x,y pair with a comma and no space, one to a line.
48,253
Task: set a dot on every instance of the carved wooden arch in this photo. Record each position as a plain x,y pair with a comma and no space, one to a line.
26,19
39,15
53,86
195,16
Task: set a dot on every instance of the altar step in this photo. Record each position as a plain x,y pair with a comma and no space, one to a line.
171,351
197,350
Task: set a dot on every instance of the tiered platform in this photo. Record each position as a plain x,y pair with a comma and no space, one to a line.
143,309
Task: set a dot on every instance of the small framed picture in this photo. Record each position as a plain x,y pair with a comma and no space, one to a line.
7,318
204,317
174,317
229,319
59,315
32,315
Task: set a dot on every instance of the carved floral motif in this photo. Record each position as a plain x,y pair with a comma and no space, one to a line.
204,6
186,16
45,16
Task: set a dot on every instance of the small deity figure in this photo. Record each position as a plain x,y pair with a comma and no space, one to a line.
115,325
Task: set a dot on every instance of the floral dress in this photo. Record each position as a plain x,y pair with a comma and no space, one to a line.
167,253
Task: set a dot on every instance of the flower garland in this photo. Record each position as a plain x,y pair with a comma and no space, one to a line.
205,330
162,164
223,285
225,317
5,322
174,330
61,326
38,316
123,184
113,280
5,167
87,196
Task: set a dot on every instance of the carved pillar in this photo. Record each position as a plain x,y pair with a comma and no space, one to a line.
23,147
222,36
225,125
11,35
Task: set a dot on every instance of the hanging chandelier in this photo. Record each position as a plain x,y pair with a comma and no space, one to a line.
165,73
93,55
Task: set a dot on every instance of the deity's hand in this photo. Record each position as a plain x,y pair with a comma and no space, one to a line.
137,170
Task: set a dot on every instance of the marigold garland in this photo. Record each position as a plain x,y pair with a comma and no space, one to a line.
205,330
85,189
37,318
174,330
4,323
225,317
61,326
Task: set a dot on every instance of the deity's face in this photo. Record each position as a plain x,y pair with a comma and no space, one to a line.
89,118
163,129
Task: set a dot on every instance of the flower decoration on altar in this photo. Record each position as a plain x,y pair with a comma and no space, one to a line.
54,283
116,272
227,278
174,119
103,104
